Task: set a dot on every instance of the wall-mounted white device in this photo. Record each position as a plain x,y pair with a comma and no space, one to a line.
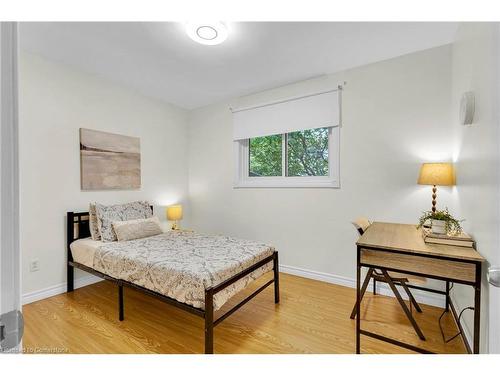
467,108
494,275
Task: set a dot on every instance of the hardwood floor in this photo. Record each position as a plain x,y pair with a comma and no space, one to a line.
313,317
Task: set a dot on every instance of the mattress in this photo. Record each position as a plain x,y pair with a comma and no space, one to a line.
83,251
178,264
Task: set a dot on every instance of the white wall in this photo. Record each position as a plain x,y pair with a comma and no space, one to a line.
396,115
55,101
475,68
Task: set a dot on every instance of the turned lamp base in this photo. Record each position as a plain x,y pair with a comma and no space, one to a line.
434,196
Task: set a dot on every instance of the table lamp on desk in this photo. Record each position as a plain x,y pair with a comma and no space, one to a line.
442,174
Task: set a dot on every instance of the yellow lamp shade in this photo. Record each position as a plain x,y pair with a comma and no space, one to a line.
174,212
441,174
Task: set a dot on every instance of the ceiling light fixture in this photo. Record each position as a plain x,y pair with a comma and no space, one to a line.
208,33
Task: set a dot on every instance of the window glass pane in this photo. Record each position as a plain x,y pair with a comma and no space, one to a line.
308,152
265,156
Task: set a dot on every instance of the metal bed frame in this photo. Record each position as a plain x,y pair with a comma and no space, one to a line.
80,222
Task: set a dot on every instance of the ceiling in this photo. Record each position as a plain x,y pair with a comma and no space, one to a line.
159,59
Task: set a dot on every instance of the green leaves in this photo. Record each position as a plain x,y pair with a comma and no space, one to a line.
307,154
265,156
452,225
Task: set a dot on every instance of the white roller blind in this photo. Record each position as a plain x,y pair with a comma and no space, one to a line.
309,112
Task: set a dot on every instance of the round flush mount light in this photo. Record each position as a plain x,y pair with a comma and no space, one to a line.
208,33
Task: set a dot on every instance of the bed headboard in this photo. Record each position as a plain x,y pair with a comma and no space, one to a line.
77,224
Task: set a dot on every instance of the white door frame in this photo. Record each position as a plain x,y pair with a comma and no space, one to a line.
10,272
494,292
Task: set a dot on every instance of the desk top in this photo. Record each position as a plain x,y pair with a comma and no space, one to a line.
406,237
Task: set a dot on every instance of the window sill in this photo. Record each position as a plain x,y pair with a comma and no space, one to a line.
327,183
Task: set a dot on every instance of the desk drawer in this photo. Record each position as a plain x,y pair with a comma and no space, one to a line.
441,268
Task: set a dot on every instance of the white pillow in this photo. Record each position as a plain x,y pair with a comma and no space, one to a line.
107,215
138,228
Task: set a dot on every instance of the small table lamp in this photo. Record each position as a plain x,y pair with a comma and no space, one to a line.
442,174
174,213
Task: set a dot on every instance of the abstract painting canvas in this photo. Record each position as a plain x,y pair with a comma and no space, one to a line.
109,161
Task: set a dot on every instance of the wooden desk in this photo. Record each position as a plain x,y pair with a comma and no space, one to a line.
400,247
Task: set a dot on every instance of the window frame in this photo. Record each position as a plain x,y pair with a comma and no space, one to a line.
242,167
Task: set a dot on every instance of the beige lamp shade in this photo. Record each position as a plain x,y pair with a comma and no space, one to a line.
174,212
440,174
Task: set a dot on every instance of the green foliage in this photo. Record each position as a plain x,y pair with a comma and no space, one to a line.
265,156
452,225
307,154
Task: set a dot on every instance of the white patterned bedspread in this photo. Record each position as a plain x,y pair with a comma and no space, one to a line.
181,265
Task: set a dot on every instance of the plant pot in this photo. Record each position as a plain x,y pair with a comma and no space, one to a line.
438,227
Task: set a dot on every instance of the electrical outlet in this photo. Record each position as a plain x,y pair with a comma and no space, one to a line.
34,265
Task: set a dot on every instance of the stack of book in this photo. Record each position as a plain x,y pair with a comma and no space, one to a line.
462,239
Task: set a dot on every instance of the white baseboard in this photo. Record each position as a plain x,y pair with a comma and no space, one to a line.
58,289
320,276
421,296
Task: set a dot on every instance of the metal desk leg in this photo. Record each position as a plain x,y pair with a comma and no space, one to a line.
477,309
363,290
358,301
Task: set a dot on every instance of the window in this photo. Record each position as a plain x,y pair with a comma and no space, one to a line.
289,142
306,158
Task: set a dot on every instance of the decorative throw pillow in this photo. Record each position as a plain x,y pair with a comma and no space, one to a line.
139,228
93,225
106,215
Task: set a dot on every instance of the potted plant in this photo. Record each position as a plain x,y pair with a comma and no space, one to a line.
442,222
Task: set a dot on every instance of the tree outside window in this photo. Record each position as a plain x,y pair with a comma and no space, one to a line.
307,154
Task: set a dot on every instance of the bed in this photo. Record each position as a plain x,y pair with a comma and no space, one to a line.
195,272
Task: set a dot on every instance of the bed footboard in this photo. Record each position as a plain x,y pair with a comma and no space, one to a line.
210,323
